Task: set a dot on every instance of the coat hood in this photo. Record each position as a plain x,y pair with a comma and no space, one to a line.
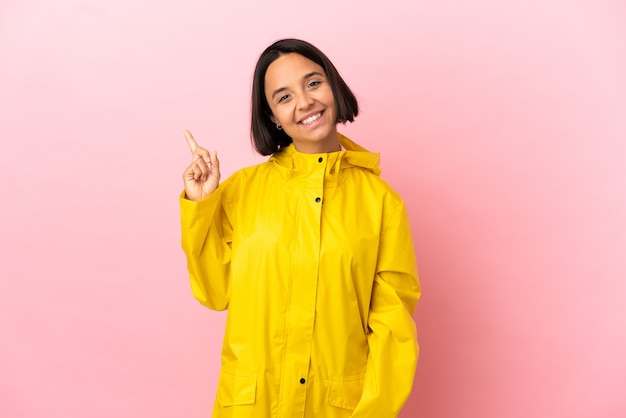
352,155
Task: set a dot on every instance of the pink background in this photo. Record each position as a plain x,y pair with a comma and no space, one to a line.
502,123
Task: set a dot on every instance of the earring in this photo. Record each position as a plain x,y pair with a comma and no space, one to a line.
279,126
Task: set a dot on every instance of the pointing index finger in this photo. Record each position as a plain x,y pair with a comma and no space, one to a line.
192,142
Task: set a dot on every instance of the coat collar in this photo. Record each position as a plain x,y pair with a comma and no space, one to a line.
352,155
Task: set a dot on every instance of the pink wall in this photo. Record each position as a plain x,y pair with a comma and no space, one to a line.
502,123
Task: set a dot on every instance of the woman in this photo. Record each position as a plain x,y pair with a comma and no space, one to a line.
310,252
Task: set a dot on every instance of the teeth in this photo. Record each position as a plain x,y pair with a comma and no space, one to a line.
311,119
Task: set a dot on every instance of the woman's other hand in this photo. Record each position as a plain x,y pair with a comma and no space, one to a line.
202,176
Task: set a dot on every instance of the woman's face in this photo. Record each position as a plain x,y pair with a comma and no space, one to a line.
302,101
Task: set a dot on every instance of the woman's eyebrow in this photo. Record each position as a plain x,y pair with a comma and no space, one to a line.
308,75
275,92
311,74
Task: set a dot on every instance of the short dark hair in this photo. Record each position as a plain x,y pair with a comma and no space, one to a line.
265,137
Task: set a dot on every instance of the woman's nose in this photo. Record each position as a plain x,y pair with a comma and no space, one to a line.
304,101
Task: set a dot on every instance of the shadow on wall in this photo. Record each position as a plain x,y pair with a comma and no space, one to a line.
453,315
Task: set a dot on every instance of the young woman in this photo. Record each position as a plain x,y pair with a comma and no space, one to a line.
310,252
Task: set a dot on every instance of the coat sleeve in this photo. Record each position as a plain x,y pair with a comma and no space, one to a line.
206,241
392,340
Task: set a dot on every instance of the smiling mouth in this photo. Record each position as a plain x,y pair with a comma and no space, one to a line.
311,119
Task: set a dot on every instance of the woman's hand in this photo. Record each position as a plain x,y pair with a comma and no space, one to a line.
202,176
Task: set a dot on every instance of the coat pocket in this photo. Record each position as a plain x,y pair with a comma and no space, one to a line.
345,392
236,389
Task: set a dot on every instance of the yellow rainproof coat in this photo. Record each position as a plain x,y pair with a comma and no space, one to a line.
312,256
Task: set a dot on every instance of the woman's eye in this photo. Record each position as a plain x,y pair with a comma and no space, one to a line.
283,98
314,83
